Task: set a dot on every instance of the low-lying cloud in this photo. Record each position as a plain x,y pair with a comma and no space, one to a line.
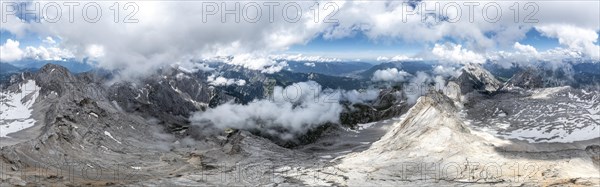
256,62
289,112
390,74
422,83
222,81
355,96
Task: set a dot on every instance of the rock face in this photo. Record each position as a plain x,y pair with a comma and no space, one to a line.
84,127
544,76
390,103
75,121
171,96
526,79
475,78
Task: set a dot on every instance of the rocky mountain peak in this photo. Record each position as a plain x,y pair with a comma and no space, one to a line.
437,100
51,68
53,72
527,78
475,78
52,77
430,126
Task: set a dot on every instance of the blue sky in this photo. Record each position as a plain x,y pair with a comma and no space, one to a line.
540,42
29,39
358,44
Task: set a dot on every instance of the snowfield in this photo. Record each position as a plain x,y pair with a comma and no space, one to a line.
545,93
560,115
15,109
555,135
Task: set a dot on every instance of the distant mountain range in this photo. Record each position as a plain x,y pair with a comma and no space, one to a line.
72,65
329,68
6,68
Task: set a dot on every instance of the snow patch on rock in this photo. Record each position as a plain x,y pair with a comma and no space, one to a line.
545,93
15,109
111,137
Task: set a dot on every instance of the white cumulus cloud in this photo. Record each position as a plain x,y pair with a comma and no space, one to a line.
576,38
10,51
527,49
50,53
454,53
222,81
